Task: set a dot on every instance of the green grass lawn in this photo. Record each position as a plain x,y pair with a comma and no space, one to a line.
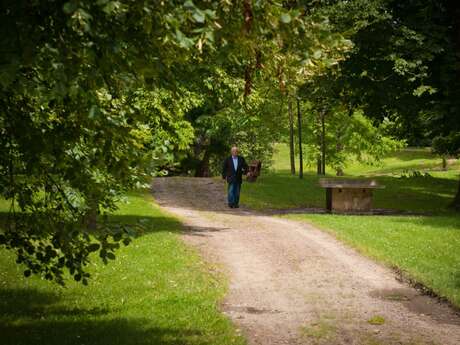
421,159
157,291
279,189
425,248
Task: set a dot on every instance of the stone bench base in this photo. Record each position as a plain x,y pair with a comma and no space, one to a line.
349,195
348,199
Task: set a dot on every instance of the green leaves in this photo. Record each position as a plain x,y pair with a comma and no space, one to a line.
199,16
8,74
317,54
184,41
93,247
189,5
424,89
285,18
76,134
102,95
70,7
111,7
93,112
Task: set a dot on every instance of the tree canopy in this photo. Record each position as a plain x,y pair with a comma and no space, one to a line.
95,100
99,96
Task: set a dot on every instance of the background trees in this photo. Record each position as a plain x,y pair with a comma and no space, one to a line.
410,74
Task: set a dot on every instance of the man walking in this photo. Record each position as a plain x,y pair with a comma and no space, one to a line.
233,169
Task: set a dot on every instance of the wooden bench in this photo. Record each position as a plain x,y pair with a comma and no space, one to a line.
345,195
254,170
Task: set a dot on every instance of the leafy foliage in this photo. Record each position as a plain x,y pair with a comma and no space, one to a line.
76,129
348,138
98,96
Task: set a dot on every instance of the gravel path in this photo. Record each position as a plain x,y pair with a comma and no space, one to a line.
293,284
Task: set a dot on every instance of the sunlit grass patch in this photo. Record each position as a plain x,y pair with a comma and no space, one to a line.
320,332
376,320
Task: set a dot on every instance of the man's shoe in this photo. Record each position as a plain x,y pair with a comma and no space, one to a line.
236,206
231,206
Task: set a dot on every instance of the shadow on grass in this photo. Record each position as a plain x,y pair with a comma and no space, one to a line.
22,302
412,167
99,332
29,316
142,224
416,194
145,225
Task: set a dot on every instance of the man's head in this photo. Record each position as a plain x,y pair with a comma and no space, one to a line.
234,151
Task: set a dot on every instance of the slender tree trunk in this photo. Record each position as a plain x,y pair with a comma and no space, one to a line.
203,169
248,16
323,144
444,163
339,169
291,137
456,202
339,148
91,214
247,26
454,8
319,163
299,120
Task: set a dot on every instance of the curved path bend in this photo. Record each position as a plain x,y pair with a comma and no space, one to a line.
290,283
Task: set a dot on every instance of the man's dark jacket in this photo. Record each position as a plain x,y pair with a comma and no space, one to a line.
229,173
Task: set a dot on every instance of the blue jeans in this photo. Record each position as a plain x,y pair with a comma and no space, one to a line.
234,193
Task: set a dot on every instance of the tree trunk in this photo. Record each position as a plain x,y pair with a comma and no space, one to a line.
339,148
456,202
299,120
203,169
323,144
247,26
291,137
444,163
248,16
319,165
319,162
454,8
91,215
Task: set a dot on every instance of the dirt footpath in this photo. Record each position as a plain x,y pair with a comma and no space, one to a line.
293,284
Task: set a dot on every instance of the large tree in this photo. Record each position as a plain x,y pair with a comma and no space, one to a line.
80,119
93,98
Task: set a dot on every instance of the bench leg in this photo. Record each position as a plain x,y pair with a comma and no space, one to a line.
329,199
